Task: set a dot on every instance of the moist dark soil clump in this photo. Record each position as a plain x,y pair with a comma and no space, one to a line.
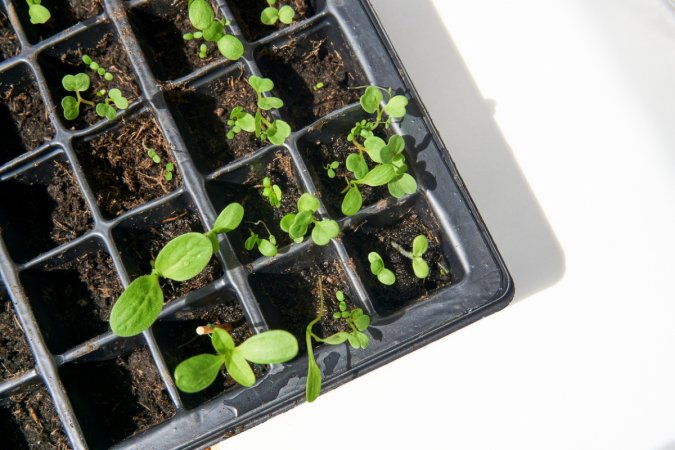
64,14
247,15
205,111
119,169
72,300
118,398
15,355
28,420
9,44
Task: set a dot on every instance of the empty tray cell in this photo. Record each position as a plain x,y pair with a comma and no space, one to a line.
42,207
202,113
118,167
15,355
102,45
178,340
247,14
160,26
71,295
9,44
64,14
297,65
141,237
116,397
288,292
245,186
24,122
28,420
400,225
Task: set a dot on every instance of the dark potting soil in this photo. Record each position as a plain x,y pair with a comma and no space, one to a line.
15,355
28,420
117,398
72,299
38,215
160,26
24,123
205,112
296,70
247,15
278,166
140,246
64,14
9,44
119,169
179,341
370,237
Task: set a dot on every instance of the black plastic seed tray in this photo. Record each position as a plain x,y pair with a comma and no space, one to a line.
84,368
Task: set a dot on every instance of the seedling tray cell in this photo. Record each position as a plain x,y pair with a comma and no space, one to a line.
83,210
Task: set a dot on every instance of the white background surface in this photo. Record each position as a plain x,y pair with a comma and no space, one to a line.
560,116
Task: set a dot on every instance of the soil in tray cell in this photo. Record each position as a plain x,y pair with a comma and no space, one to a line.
28,420
119,169
142,237
117,398
102,45
178,340
41,208
71,297
297,66
202,114
15,355
376,234
64,14
24,123
160,26
245,186
247,14
9,44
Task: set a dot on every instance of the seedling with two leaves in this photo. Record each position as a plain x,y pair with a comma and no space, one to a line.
181,259
80,84
330,168
38,13
266,247
272,14
419,247
274,131
377,268
203,19
297,225
272,192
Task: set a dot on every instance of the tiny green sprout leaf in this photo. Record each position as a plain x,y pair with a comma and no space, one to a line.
197,373
76,83
286,14
71,107
239,369
278,132
342,306
108,76
117,98
261,84
105,110
380,175
200,14
357,164
184,257
308,202
324,231
340,296
318,85
86,59
188,36
371,99
251,241
352,202
202,51
376,263
137,307
38,14
362,321
94,66
386,277
222,341
269,347
395,107
420,245
266,248
269,15
267,103
402,186
287,222
100,71
420,267
230,47
337,338
229,218
300,225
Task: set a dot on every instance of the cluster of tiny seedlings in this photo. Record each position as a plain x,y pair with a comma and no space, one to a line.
297,224
203,19
356,320
38,13
416,255
169,167
265,129
106,100
181,259
272,192
272,14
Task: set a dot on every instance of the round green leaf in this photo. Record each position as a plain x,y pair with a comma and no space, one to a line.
222,341
73,83
286,14
357,164
197,373
420,245
38,14
404,185
71,107
138,306
386,277
184,257
251,241
229,218
287,222
278,133
324,231
269,15
352,202
117,97
246,122
380,175
308,202
268,103
200,14
395,107
213,32
239,369
230,47
371,99
260,84
105,110
362,322
269,347
266,248
299,227
376,263
420,267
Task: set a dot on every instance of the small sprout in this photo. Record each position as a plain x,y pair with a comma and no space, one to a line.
318,86
330,168
442,269
266,247
38,13
93,65
168,172
202,18
270,347
297,225
272,192
384,275
419,248
270,15
153,155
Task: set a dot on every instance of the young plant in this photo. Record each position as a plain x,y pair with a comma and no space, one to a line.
272,14
357,321
275,131
38,13
169,168
419,248
384,275
318,86
266,247
181,259
270,347
297,225
272,192
330,168
210,29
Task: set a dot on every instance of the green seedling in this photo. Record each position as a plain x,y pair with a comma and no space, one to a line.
272,192
419,248
38,13
371,102
272,14
79,84
275,131
266,247
318,86
93,65
297,225
210,29
169,168
330,168
384,275
270,347
181,259
357,321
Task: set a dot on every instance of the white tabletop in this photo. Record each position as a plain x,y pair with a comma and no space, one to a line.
560,116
